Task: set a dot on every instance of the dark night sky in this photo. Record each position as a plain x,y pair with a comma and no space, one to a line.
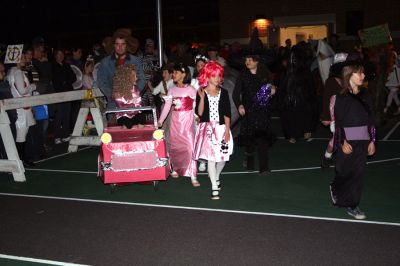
70,23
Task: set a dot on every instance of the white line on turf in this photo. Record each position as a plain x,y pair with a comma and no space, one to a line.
391,131
51,262
205,209
60,155
60,171
223,173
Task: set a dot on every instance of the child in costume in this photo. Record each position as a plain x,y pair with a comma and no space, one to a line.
355,137
181,130
127,95
199,61
213,141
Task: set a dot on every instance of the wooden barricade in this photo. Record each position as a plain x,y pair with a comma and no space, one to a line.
14,164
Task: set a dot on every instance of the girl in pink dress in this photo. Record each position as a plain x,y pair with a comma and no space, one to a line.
213,137
126,95
181,131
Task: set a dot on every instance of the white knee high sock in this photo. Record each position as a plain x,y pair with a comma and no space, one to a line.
212,173
220,166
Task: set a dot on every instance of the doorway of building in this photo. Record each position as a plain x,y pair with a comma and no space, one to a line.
303,33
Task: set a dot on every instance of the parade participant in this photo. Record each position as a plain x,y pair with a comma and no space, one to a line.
255,129
325,55
213,140
120,56
160,91
212,52
297,96
393,85
332,87
126,95
199,61
181,130
355,137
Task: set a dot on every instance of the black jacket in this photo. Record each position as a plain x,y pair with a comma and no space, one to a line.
224,107
63,77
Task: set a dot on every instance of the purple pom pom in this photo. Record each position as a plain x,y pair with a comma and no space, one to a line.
263,96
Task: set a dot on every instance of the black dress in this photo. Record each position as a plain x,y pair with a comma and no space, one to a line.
255,129
297,101
257,120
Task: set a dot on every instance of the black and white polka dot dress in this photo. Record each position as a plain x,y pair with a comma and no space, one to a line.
213,104
210,135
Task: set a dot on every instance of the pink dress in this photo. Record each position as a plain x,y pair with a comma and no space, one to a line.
181,130
121,102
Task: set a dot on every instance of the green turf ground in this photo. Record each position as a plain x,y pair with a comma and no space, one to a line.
298,192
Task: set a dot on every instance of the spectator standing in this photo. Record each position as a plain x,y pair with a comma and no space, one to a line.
5,93
87,79
76,58
34,147
21,87
45,84
63,77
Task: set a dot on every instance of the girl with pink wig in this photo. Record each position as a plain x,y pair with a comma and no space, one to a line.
213,140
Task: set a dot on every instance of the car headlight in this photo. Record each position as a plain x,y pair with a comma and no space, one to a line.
158,134
106,138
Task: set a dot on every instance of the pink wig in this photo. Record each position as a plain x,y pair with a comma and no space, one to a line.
209,70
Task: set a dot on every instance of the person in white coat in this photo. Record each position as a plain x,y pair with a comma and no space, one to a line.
325,55
20,87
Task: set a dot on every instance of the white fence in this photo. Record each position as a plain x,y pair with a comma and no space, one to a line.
13,163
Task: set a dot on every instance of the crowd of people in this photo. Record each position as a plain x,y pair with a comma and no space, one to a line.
305,84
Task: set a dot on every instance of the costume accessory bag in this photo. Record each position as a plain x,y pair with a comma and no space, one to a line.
41,112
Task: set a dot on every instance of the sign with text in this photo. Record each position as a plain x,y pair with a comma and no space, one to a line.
375,36
13,54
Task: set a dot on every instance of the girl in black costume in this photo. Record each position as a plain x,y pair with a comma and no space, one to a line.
355,137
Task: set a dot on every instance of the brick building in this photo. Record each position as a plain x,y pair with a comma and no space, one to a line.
302,20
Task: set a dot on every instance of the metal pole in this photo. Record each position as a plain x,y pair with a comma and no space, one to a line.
159,32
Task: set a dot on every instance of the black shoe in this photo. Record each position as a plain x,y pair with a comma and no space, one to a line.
326,162
264,172
356,213
215,195
250,163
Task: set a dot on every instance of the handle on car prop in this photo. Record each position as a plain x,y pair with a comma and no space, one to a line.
130,109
